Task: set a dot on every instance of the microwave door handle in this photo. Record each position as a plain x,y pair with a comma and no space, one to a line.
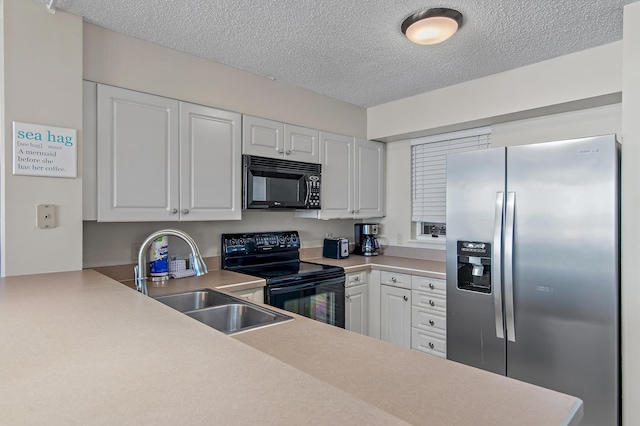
308,185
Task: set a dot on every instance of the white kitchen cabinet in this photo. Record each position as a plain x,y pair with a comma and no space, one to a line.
337,190
357,303
352,177
272,139
210,164
395,315
369,179
428,316
159,159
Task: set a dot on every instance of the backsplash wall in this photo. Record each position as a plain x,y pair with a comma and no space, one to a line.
109,244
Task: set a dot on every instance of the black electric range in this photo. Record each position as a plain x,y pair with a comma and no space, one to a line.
310,289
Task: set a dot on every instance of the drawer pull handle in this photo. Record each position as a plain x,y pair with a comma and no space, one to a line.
393,279
356,279
431,286
348,298
432,303
431,322
431,345
405,298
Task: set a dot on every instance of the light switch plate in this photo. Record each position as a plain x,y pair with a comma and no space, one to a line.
46,216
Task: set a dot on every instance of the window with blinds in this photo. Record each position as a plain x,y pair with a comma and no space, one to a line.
429,171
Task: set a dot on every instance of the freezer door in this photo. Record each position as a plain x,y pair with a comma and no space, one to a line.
564,333
475,195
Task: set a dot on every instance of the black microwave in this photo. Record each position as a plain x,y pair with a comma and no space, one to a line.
275,184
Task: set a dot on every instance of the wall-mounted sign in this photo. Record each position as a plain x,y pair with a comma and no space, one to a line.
44,150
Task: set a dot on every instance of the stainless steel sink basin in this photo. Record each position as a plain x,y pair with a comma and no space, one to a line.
223,312
237,317
193,300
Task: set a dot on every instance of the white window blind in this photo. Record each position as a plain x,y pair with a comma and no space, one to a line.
429,169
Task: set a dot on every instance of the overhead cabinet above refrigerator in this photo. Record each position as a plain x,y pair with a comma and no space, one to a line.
533,267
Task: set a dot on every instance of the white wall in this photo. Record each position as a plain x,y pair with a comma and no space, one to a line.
568,125
123,61
107,244
580,80
42,79
120,60
630,216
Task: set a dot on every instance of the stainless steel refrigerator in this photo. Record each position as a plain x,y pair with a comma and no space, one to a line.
533,267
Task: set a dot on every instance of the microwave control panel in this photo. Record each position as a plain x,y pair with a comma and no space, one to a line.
314,192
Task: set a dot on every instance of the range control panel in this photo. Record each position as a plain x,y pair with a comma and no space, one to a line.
257,243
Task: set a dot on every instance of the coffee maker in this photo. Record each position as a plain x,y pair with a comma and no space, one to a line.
365,239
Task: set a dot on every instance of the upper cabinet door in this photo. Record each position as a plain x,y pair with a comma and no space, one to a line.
261,137
369,179
210,164
138,156
301,144
337,176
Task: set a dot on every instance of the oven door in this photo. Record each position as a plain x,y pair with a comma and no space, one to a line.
319,299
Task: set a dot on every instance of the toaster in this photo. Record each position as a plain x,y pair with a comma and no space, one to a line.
335,248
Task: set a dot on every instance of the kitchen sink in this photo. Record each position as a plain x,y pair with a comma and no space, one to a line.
225,313
194,300
237,317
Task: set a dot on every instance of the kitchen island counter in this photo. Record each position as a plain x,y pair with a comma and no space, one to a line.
79,347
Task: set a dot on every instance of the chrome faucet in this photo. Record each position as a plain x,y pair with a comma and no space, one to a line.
140,271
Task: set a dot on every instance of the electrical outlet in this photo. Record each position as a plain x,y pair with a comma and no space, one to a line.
399,239
135,248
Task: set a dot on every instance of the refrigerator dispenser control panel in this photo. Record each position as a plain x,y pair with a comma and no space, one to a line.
474,266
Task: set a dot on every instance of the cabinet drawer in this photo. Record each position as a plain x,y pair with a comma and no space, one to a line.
395,279
430,343
429,285
429,301
426,319
356,278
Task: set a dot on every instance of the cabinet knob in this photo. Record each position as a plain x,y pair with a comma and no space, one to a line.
348,297
431,345
353,211
281,151
174,211
185,211
356,279
406,299
431,286
432,303
288,152
358,211
431,322
393,279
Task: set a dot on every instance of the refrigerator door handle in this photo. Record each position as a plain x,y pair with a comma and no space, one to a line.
508,266
496,273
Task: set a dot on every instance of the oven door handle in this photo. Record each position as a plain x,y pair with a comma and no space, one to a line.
279,289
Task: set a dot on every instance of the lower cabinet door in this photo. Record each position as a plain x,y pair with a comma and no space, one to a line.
395,315
357,309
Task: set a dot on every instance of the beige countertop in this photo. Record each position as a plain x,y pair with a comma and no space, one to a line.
79,347
428,268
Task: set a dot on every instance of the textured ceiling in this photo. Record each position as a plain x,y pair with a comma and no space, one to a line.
354,50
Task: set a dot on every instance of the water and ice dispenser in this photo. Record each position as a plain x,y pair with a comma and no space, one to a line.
474,266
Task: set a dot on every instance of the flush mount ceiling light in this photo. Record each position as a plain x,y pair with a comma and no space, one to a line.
432,26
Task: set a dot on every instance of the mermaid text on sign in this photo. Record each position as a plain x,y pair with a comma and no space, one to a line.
44,150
